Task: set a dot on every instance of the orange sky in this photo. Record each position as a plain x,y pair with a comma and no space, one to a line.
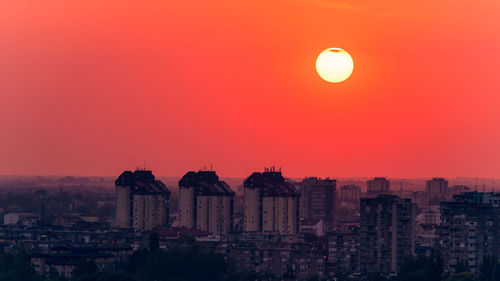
92,88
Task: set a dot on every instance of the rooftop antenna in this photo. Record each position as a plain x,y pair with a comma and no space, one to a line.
476,185
211,169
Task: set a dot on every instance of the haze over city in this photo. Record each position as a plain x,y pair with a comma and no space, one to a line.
93,88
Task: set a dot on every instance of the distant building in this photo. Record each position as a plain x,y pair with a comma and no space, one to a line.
387,233
470,229
457,189
420,198
206,203
313,226
142,202
64,259
437,189
430,215
271,205
26,219
286,259
377,186
67,220
349,193
317,199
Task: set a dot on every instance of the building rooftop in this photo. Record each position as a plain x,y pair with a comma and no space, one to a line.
142,182
272,183
205,183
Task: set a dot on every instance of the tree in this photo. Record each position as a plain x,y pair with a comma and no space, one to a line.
154,241
85,269
436,268
488,270
462,266
17,267
463,276
422,268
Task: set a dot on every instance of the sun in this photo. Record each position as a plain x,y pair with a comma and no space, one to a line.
334,65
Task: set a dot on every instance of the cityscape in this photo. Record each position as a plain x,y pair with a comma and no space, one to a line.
249,140
264,227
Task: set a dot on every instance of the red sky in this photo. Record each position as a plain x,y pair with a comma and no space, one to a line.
93,87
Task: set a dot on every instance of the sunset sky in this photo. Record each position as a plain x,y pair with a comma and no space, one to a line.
92,87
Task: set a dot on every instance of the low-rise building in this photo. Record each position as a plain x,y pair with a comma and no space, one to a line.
26,219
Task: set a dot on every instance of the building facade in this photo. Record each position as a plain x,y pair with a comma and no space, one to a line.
437,190
377,186
343,250
142,202
387,233
317,199
349,193
271,205
470,229
206,203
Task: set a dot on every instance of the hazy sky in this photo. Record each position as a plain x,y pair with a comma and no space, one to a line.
92,87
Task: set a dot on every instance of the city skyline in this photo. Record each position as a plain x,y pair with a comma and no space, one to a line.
95,88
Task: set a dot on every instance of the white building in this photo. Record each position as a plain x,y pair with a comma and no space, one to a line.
26,219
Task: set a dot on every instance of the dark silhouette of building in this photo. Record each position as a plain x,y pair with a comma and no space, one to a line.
343,250
470,229
317,199
437,190
387,233
377,186
349,193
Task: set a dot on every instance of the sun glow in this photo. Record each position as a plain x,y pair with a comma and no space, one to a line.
334,65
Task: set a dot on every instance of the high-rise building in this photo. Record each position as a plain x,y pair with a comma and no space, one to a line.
387,233
206,203
271,204
317,199
437,189
142,202
343,250
470,229
377,186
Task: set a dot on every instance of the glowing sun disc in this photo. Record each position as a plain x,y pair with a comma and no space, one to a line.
334,65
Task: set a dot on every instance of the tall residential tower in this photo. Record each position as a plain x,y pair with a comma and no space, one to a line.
387,233
142,202
205,203
271,204
317,199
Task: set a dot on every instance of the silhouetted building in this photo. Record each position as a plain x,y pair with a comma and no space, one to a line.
313,226
387,233
206,203
343,250
271,204
430,215
457,189
274,254
317,199
377,186
470,229
142,202
437,189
